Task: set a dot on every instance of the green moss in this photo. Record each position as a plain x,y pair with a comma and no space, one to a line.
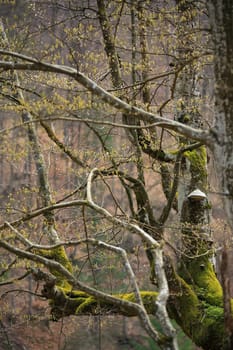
184,307
186,118
148,298
211,333
213,312
74,294
200,320
198,160
59,255
205,281
86,305
82,302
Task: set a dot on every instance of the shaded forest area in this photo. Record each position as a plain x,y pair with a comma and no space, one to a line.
115,153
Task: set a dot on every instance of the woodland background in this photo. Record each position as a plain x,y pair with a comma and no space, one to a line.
69,33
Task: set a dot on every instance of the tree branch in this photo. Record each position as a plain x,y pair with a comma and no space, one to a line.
156,250
34,65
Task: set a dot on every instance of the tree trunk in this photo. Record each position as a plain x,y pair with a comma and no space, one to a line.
221,15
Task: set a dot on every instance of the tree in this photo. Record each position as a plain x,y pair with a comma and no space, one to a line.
126,86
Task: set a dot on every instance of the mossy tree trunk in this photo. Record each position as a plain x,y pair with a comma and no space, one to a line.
195,266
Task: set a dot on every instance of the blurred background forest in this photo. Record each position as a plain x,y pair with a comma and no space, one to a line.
147,43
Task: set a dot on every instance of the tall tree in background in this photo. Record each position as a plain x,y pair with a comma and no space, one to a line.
221,20
137,78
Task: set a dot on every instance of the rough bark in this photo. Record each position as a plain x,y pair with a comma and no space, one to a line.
221,15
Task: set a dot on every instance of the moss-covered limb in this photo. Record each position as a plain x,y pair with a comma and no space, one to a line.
148,147
208,331
194,213
201,313
197,307
81,302
56,253
59,255
200,274
66,302
198,161
200,317
148,297
183,303
170,187
201,321
210,334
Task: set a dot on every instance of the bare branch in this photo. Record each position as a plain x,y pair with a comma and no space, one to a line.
33,65
156,250
124,224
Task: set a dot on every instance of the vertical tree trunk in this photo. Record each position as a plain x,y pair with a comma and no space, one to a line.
193,212
221,16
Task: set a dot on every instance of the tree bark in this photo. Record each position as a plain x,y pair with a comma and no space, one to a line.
221,16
